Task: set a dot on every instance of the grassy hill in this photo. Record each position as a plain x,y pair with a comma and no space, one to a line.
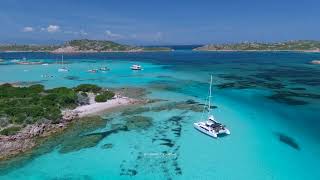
82,45
301,45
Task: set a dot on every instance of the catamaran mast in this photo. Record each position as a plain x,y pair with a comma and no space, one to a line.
209,104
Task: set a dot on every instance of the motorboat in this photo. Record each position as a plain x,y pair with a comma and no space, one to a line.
136,67
63,69
104,69
211,127
93,70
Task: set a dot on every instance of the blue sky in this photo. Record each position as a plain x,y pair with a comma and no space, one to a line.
158,21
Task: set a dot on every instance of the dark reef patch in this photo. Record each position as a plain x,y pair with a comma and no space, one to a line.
72,77
286,100
308,81
128,172
288,140
250,83
80,143
168,106
107,146
131,92
133,111
138,122
289,97
298,89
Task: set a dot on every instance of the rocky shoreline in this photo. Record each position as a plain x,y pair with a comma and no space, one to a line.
26,139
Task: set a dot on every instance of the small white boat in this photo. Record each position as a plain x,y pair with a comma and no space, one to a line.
211,127
136,67
104,69
92,70
63,68
14,60
45,64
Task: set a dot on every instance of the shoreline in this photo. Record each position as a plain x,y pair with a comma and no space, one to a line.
26,139
227,50
80,52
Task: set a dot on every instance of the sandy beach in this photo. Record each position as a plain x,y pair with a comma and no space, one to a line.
96,107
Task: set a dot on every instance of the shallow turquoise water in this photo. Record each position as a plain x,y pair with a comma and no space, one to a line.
246,106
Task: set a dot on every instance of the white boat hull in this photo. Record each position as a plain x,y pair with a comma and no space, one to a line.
209,132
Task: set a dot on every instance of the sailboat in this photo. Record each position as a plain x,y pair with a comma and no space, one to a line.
63,68
211,127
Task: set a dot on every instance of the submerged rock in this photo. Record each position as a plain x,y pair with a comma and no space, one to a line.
80,143
289,97
138,122
107,146
133,111
298,89
288,140
72,77
128,172
132,92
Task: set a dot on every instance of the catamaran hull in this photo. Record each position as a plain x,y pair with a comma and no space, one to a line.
214,135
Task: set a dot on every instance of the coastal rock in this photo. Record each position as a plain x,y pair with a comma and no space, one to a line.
138,122
315,62
107,146
69,115
288,140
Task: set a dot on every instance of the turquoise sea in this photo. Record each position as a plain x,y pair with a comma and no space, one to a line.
270,101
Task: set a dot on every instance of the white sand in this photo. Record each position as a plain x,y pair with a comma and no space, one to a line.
96,107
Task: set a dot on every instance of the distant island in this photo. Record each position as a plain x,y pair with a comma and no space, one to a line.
79,46
301,45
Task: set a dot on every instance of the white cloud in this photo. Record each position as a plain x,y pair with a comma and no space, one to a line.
53,28
151,36
28,29
76,33
113,35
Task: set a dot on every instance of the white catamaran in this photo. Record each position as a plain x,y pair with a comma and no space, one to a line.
211,127
63,68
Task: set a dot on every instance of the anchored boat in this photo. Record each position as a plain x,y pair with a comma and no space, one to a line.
211,127
63,68
136,67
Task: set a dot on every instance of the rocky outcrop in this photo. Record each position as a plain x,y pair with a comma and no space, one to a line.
25,139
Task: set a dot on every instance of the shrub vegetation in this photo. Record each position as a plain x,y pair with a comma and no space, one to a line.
28,105
104,96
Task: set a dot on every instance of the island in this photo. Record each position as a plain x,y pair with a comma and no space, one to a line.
80,46
300,45
32,112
